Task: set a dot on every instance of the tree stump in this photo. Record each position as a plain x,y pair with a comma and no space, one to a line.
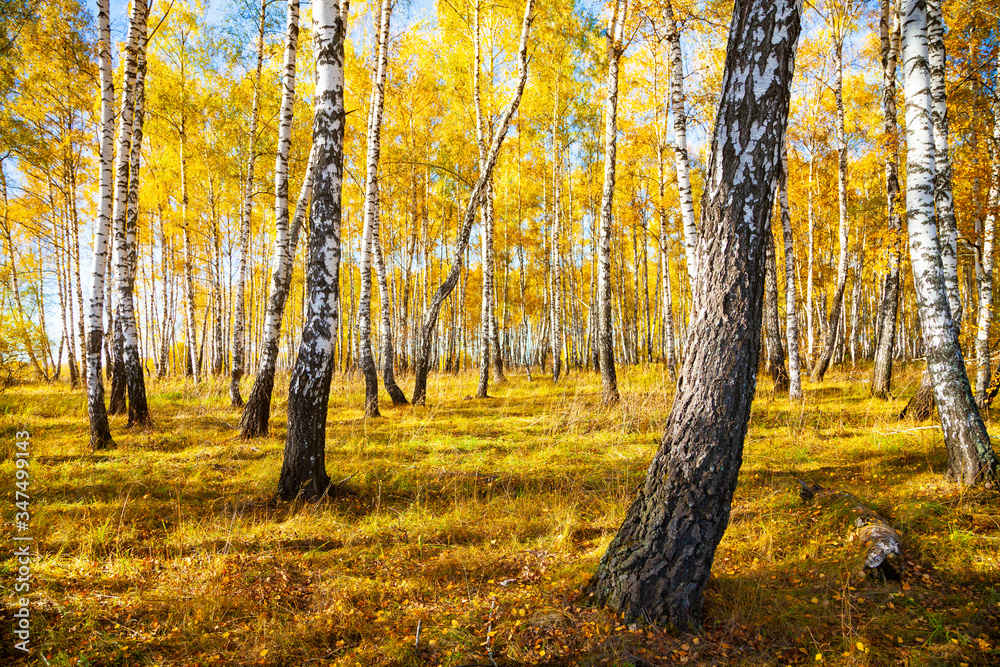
877,543
921,406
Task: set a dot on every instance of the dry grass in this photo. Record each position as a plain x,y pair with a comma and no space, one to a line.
479,521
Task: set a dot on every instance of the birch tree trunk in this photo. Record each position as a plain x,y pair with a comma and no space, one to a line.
256,414
125,239
556,313
680,143
388,351
426,334
945,205
367,360
606,341
791,314
190,334
889,32
239,317
823,362
656,567
970,453
303,469
100,432
986,284
772,327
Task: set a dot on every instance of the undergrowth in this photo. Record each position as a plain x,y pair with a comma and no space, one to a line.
463,532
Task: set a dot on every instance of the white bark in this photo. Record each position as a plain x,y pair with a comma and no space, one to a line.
947,226
791,315
615,47
970,453
986,284
683,163
100,434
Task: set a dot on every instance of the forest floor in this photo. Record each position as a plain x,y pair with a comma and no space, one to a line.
475,524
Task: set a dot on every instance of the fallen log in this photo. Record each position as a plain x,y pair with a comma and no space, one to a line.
878,544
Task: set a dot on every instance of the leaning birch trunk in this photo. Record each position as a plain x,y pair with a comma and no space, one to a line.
986,284
606,341
100,432
425,337
944,202
826,356
683,163
882,372
658,564
239,316
125,245
303,469
388,351
970,453
256,414
791,315
366,358
772,326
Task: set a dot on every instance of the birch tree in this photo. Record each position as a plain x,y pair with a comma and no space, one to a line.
772,327
970,453
388,351
254,420
606,342
303,469
239,321
367,360
126,224
657,565
100,432
889,36
426,334
791,314
681,160
986,284
839,16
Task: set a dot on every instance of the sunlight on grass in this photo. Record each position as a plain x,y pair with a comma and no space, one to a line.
480,521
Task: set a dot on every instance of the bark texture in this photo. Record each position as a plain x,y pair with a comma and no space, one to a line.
303,469
970,453
659,562
100,432
791,314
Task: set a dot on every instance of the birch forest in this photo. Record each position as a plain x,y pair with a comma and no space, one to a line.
482,332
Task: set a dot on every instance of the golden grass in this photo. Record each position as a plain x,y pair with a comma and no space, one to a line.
479,521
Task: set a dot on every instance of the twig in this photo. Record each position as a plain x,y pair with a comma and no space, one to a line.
416,645
907,430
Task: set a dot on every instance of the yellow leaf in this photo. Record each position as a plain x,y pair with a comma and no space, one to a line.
263,653
861,646
819,657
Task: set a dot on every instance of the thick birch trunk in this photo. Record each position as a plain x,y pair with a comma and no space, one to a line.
889,308
426,334
100,433
254,421
945,205
659,562
606,342
239,316
303,470
970,454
